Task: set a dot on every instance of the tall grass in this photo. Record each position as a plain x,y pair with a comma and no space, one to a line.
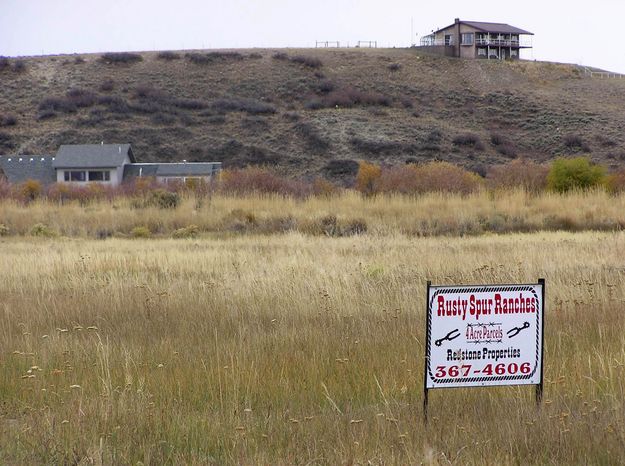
424,215
295,349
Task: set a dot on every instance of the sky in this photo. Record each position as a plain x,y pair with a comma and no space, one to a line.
569,31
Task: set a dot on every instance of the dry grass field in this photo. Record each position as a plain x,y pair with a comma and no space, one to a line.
293,348
431,214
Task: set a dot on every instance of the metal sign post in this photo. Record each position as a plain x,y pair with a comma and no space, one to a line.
484,335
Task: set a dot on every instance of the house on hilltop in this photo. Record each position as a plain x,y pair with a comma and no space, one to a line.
110,164
474,39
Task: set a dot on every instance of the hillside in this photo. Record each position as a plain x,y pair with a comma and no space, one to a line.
311,111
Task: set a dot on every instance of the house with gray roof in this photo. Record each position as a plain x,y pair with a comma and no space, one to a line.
476,39
19,168
109,164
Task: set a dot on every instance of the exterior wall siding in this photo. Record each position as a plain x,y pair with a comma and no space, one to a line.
468,51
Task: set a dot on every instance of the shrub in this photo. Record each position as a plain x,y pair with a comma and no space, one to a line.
114,103
29,190
323,187
148,91
280,56
354,227
121,57
197,58
43,230
406,102
225,56
190,231
161,118
239,220
606,141
19,66
8,120
400,179
260,180
575,142
164,199
326,86
341,169
60,192
5,187
81,97
519,173
310,62
45,114
140,232
254,107
189,104
497,139
4,63
4,230
215,119
5,140
292,116
211,57
329,225
430,177
255,55
468,140
314,140
576,173
507,150
57,104
394,67
168,55
107,85
367,177
615,182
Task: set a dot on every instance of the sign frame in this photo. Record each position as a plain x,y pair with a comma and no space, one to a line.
540,321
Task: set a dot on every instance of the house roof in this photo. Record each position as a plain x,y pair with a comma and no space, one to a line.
92,155
136,170
497,28
19,168
171,169
188,169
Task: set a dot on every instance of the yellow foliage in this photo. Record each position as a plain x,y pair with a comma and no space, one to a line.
368,174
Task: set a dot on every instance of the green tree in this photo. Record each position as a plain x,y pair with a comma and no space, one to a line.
576,173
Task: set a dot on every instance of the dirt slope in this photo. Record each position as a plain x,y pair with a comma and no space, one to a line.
312,111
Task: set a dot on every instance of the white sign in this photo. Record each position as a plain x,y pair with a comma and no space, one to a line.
484,335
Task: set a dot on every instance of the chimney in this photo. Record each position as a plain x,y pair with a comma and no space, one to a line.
458,37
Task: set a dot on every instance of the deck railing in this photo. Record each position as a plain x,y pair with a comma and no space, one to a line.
502,42
480,42
427,41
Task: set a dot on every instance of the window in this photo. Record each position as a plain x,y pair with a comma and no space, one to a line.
467,38
75,176
100,175
448,39
481,52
